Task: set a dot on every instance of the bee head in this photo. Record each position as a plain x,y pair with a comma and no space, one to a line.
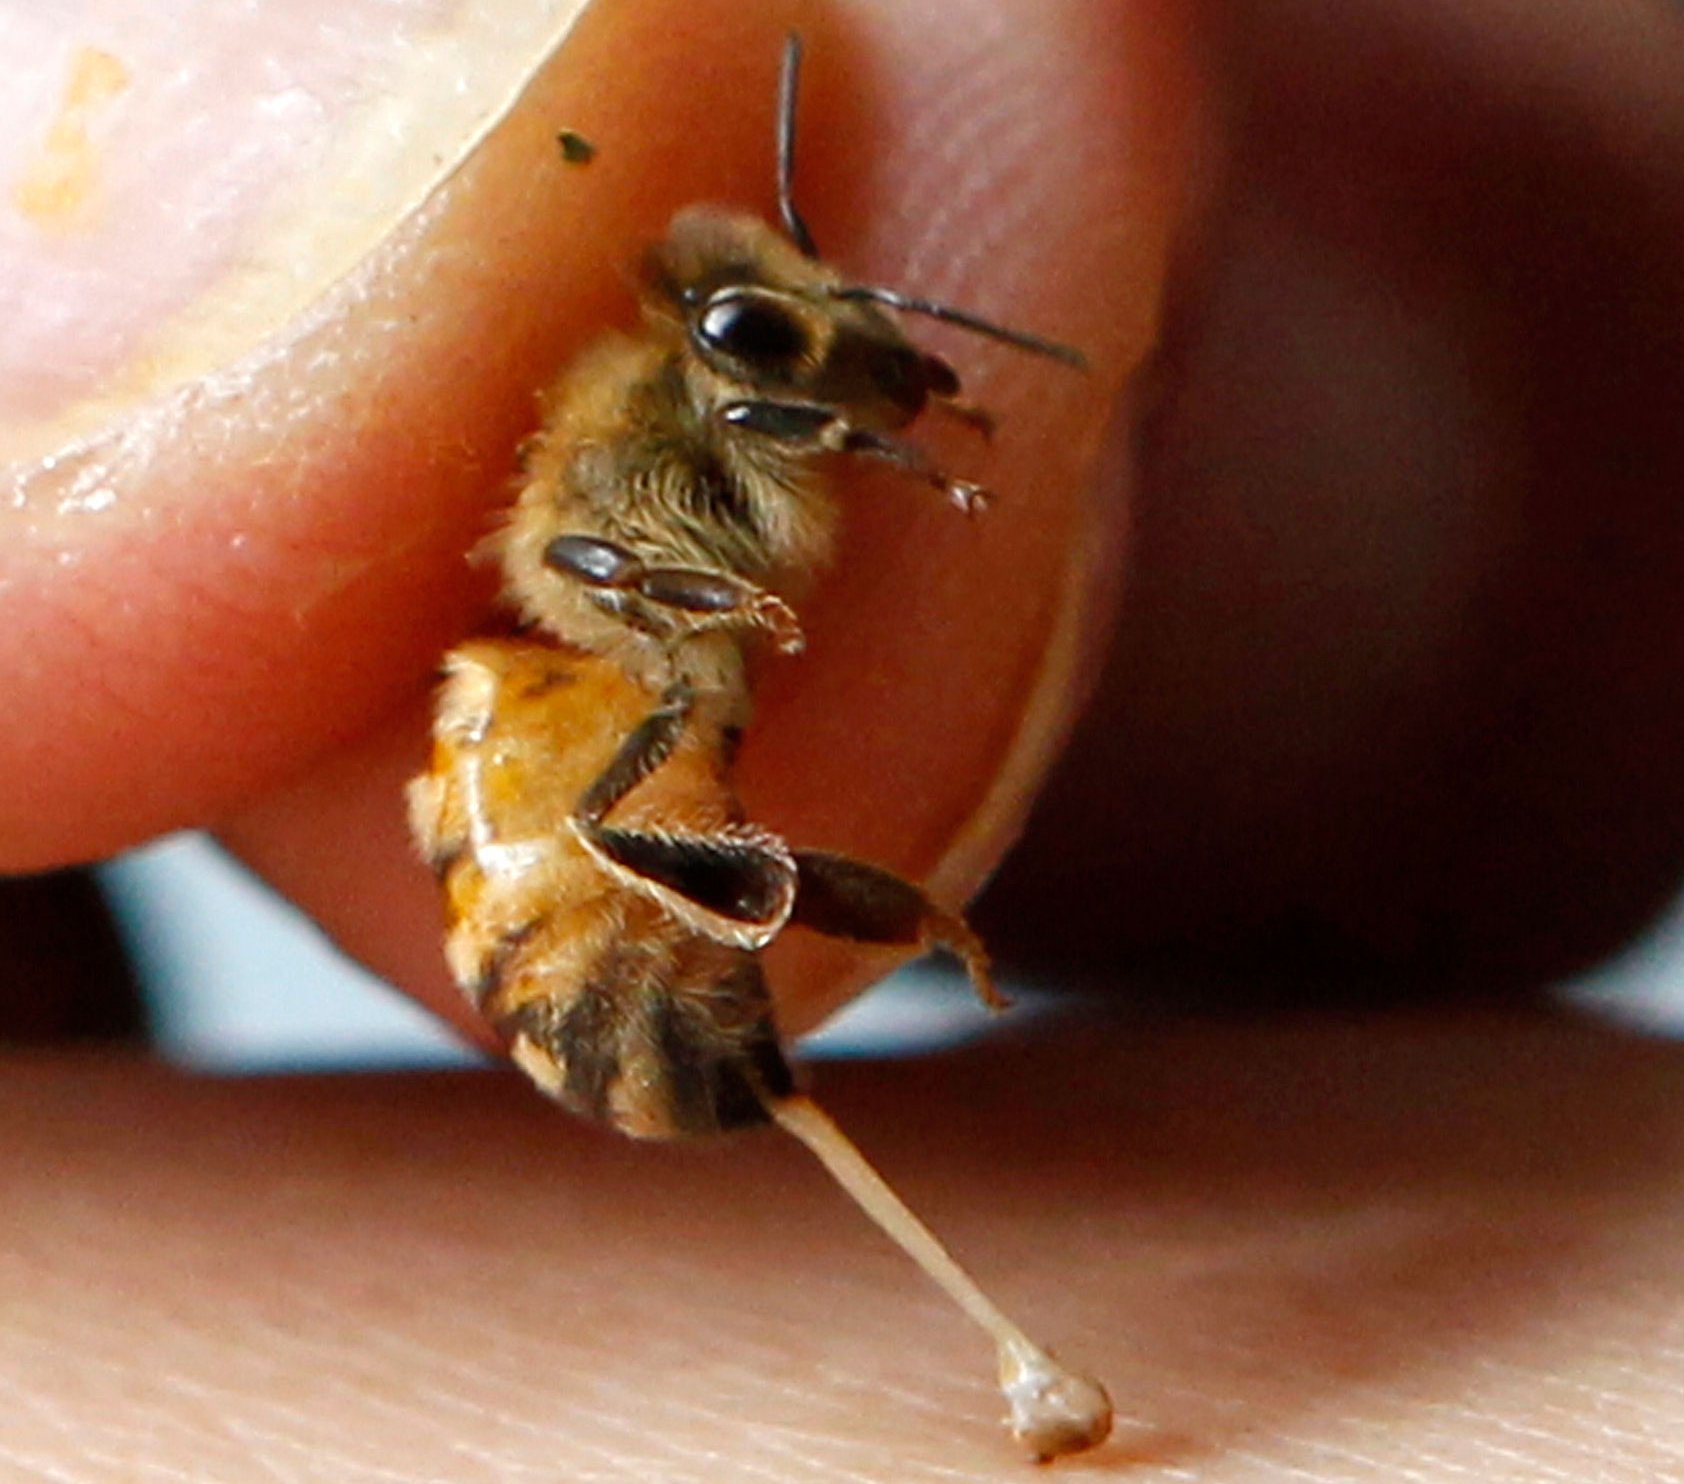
763,312
772,322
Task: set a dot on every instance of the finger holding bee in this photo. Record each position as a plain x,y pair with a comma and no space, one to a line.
942,652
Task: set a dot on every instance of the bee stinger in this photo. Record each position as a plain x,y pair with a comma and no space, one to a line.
606,900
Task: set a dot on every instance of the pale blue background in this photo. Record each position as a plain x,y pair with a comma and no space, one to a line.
237,980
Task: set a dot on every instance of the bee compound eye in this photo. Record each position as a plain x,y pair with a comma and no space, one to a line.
751,329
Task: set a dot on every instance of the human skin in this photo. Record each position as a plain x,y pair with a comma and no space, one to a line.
1431,1249
1443,1245
283,551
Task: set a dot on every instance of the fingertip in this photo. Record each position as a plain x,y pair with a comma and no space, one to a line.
1009,159
241,572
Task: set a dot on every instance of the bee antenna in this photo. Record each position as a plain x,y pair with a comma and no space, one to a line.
946,313
789,86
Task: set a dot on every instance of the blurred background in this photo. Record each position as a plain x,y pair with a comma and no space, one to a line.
176,946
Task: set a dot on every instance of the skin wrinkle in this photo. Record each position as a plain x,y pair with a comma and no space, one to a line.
946,149
993,191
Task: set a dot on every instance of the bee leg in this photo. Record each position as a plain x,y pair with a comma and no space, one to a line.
649,744
709,599
845,898
973,415
818,428
735,884
798,423
971,498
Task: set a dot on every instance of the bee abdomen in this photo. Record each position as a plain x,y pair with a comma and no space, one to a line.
505,951
628,1047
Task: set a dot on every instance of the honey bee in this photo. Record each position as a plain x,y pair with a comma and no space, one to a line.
607,901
